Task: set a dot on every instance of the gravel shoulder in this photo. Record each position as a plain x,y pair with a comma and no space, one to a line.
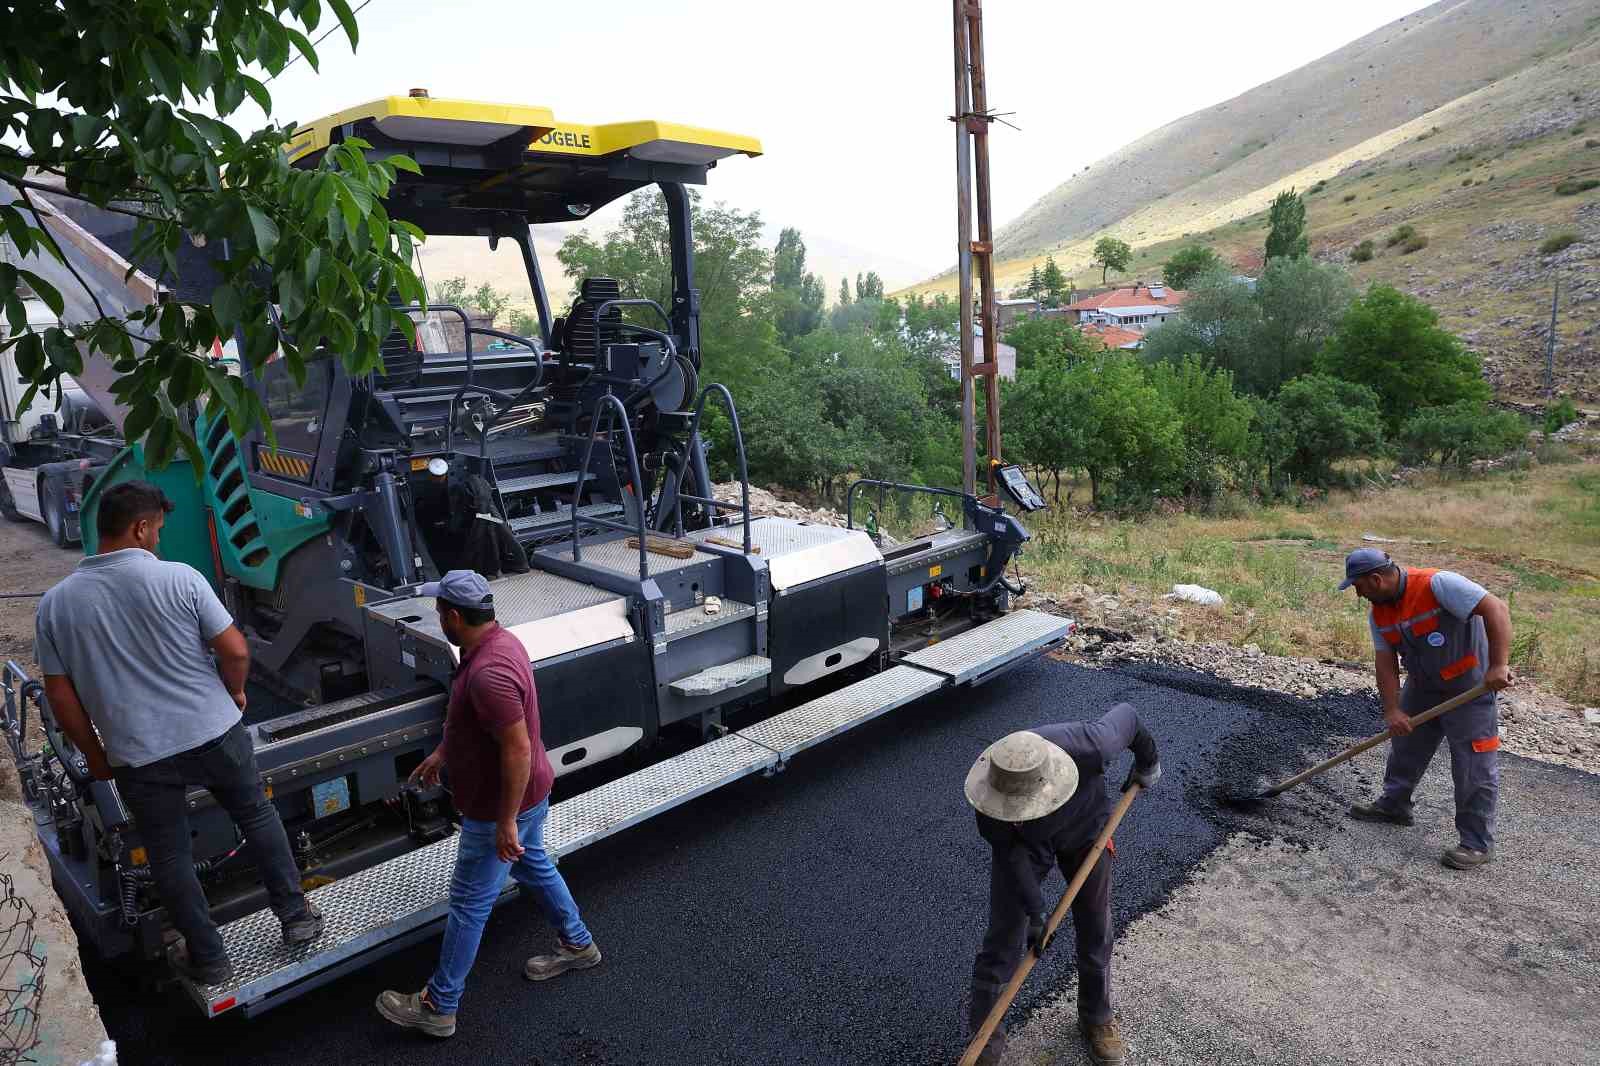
70,1031
1363,947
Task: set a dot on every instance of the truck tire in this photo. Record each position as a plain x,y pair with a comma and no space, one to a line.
55,513
8,506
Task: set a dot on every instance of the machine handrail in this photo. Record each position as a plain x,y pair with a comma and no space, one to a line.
898,486
738,443
613,406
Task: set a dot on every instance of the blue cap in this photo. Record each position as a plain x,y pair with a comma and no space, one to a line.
460,588
1361,562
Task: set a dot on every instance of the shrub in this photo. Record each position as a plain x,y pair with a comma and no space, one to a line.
1591,143
1368,173
1557,242
1318,187
1555,453
1349,198
1572,186
1462,156
1561,413
1460,432
1362,252
1400,235
1414,243
1315,421
1465,182
1392,342
1579,130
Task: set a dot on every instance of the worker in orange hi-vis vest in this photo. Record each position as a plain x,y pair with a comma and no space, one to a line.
1452,635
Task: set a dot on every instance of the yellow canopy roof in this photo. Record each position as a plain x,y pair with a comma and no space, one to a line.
474,123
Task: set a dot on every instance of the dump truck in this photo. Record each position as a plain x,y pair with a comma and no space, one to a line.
52,449
679,642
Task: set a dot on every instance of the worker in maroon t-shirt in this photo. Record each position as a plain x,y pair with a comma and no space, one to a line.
500,778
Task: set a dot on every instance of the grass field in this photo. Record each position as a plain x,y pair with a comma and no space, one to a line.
1531,537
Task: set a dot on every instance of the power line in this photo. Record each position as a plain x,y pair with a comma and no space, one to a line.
298,55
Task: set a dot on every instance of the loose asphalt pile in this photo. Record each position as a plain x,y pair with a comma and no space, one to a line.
828,915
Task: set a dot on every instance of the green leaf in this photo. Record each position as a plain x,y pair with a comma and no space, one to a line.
258,92
44,290
191,449
160,444
63,351
351,209
404,162
140,418
304,45
226,306
30,356
266,230
347,19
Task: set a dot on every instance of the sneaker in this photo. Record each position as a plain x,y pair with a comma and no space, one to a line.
215,972
544,967
1106,1045
1377,812
1462,857
415,1012
303,927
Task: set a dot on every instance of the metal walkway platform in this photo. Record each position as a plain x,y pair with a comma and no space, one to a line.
396,903
979,654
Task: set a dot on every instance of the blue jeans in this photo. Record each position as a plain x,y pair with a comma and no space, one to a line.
476,884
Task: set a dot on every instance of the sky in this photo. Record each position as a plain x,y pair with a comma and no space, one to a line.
852,101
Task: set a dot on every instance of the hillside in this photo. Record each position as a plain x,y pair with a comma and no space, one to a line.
1460,119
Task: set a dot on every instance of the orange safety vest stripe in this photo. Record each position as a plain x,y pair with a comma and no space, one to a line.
1416,605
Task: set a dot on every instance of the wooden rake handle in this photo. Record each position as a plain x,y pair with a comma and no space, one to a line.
1373,741
991,1023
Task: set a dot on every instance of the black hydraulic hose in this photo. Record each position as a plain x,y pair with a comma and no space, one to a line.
20,595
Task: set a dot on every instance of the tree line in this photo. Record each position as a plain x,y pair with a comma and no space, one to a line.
1258,386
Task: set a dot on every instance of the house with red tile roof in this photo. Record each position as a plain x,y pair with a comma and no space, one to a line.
1137,307
1112,336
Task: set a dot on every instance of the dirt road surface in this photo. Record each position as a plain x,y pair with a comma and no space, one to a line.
830,914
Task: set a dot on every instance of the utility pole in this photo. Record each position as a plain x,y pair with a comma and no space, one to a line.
1550,346
972,121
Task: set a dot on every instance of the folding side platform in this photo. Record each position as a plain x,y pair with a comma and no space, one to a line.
981,653
398,902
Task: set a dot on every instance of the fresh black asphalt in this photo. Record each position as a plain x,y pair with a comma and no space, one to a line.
826,915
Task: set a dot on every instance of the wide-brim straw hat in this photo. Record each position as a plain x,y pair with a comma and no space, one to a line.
1021,777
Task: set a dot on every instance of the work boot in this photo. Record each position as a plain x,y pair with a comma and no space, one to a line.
303,927
1462,857
215,972
544,967
1106,1045
1377,812
415,1012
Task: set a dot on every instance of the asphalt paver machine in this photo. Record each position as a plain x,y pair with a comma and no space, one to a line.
679,642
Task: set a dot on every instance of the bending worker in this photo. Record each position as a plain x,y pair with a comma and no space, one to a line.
1040,800
1453,635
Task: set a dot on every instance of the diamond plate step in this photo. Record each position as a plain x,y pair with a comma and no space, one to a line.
980,653
541,481
723,676
563,515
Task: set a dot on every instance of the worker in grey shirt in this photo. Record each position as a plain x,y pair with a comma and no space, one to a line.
1040,800
1453,636
126,643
